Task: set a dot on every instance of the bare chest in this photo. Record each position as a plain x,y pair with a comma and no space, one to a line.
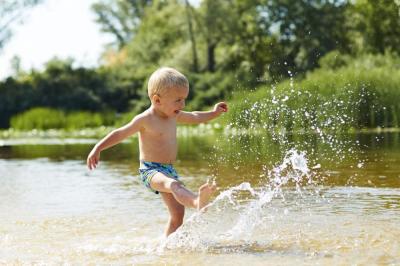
161,131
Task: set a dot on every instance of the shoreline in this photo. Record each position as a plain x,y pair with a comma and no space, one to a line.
200,130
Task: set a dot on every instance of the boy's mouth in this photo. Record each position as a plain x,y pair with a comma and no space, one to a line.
176,111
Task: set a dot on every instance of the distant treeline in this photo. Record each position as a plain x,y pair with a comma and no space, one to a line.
225,48
60,86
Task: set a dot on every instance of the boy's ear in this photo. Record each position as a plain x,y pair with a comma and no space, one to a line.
155,99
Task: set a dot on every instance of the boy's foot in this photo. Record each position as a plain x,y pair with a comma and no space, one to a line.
205,192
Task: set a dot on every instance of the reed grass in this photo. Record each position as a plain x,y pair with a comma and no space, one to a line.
363,94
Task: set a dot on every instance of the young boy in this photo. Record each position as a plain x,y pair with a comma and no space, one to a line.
167,90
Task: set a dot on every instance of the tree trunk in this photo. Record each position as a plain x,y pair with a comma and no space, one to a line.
192,38
211,56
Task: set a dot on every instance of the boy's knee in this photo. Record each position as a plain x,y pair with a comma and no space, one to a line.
176,186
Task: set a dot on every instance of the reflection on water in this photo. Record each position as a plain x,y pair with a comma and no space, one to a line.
302,203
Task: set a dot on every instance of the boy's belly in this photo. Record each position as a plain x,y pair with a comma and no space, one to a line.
157,151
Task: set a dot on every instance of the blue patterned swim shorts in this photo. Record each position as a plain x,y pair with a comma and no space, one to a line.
148,169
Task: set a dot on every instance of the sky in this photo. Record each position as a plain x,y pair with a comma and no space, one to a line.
56,28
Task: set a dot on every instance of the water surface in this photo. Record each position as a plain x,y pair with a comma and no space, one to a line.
300,201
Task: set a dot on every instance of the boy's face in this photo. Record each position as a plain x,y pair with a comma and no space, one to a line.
172,101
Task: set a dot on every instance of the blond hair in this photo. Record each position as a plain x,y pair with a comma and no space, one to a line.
165,78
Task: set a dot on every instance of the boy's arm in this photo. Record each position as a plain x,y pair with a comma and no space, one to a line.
113,138
197,117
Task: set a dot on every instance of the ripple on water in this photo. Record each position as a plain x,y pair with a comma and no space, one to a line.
58,213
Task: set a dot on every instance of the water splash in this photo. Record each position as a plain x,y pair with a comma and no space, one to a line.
280,120
303,138
236,214
293,169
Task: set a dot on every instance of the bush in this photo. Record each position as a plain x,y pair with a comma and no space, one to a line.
47,118
363,93
125,118
39,118
334,60
210,87
77,120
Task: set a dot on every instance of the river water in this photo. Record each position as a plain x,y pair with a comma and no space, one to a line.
278,203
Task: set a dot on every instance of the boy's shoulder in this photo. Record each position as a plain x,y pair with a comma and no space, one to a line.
145,117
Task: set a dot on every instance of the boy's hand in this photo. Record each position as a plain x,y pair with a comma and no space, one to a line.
93,159
221,107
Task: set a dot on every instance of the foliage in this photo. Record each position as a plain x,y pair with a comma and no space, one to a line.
77,120
209,86
376,25
46,118
63,87
334,60
360,94
227,47
39,118
308,29
120,18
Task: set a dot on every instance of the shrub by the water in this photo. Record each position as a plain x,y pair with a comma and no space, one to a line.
47,118
38,118
77,120
344,94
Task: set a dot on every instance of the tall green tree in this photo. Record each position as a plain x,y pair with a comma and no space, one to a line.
308,29
376,25
161,38
190,13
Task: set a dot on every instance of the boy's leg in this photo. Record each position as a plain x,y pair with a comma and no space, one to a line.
176,212
163,183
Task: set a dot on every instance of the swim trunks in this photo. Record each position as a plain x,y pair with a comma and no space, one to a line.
148,169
